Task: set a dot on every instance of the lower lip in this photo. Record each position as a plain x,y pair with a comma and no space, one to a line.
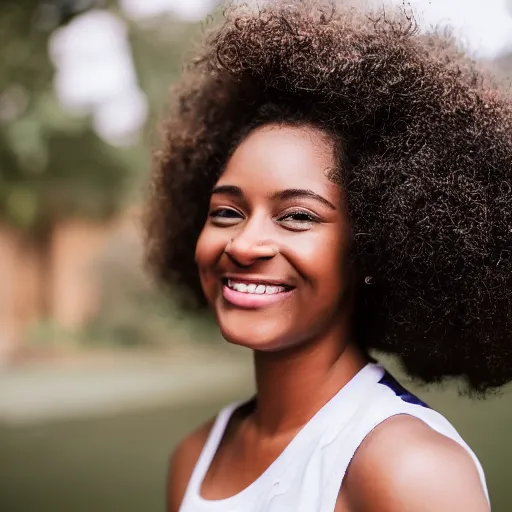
253,300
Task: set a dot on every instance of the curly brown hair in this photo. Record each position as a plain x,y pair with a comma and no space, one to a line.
425,141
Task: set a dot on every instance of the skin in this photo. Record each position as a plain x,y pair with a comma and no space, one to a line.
257,230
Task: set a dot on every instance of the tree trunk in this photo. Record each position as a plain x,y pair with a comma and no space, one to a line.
44,250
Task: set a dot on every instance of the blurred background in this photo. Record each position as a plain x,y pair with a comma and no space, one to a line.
100,375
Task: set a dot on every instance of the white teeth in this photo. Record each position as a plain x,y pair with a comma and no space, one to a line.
259,289
239,287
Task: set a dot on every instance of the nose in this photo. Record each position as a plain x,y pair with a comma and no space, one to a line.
249,246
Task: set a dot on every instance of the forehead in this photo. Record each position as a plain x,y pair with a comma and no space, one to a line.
280,157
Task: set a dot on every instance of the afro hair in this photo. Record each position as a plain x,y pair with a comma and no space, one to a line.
425,160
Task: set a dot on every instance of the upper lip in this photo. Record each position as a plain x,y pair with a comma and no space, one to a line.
244,278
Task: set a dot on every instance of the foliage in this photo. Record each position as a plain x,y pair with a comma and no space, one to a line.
158,49
54,165
51,164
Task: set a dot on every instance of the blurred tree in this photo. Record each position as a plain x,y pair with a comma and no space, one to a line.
158,47
52,165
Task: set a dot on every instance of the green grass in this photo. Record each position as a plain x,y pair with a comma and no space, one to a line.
119,463
110,464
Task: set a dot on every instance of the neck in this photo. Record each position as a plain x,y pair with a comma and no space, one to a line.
293,384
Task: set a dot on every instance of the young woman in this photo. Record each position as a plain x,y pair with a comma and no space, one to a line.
333,182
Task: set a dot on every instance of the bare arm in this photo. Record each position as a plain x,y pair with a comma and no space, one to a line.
182,464
404,466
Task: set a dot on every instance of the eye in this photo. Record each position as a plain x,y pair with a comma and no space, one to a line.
299,217
298,220
225,216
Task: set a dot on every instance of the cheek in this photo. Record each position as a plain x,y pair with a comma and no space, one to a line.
322,261
209,248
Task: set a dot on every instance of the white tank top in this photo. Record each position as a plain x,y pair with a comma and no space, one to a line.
308,474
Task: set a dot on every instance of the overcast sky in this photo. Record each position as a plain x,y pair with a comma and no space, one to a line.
191,9
484,25
95,73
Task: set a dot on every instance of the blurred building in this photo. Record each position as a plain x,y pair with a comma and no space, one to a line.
60,284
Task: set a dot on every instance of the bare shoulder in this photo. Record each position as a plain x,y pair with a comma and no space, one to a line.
182,463
404,465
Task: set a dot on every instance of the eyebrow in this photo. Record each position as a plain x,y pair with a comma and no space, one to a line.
283,195
229,190
294,193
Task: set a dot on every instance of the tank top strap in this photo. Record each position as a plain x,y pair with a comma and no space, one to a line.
210,447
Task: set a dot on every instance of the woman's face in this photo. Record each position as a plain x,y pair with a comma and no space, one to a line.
272,255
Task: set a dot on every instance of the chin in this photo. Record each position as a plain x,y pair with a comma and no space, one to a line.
253,335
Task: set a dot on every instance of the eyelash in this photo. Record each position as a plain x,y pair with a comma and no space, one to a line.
219,211
232,214
309,216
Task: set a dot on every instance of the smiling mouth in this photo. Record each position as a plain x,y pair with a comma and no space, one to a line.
255,288
253,295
